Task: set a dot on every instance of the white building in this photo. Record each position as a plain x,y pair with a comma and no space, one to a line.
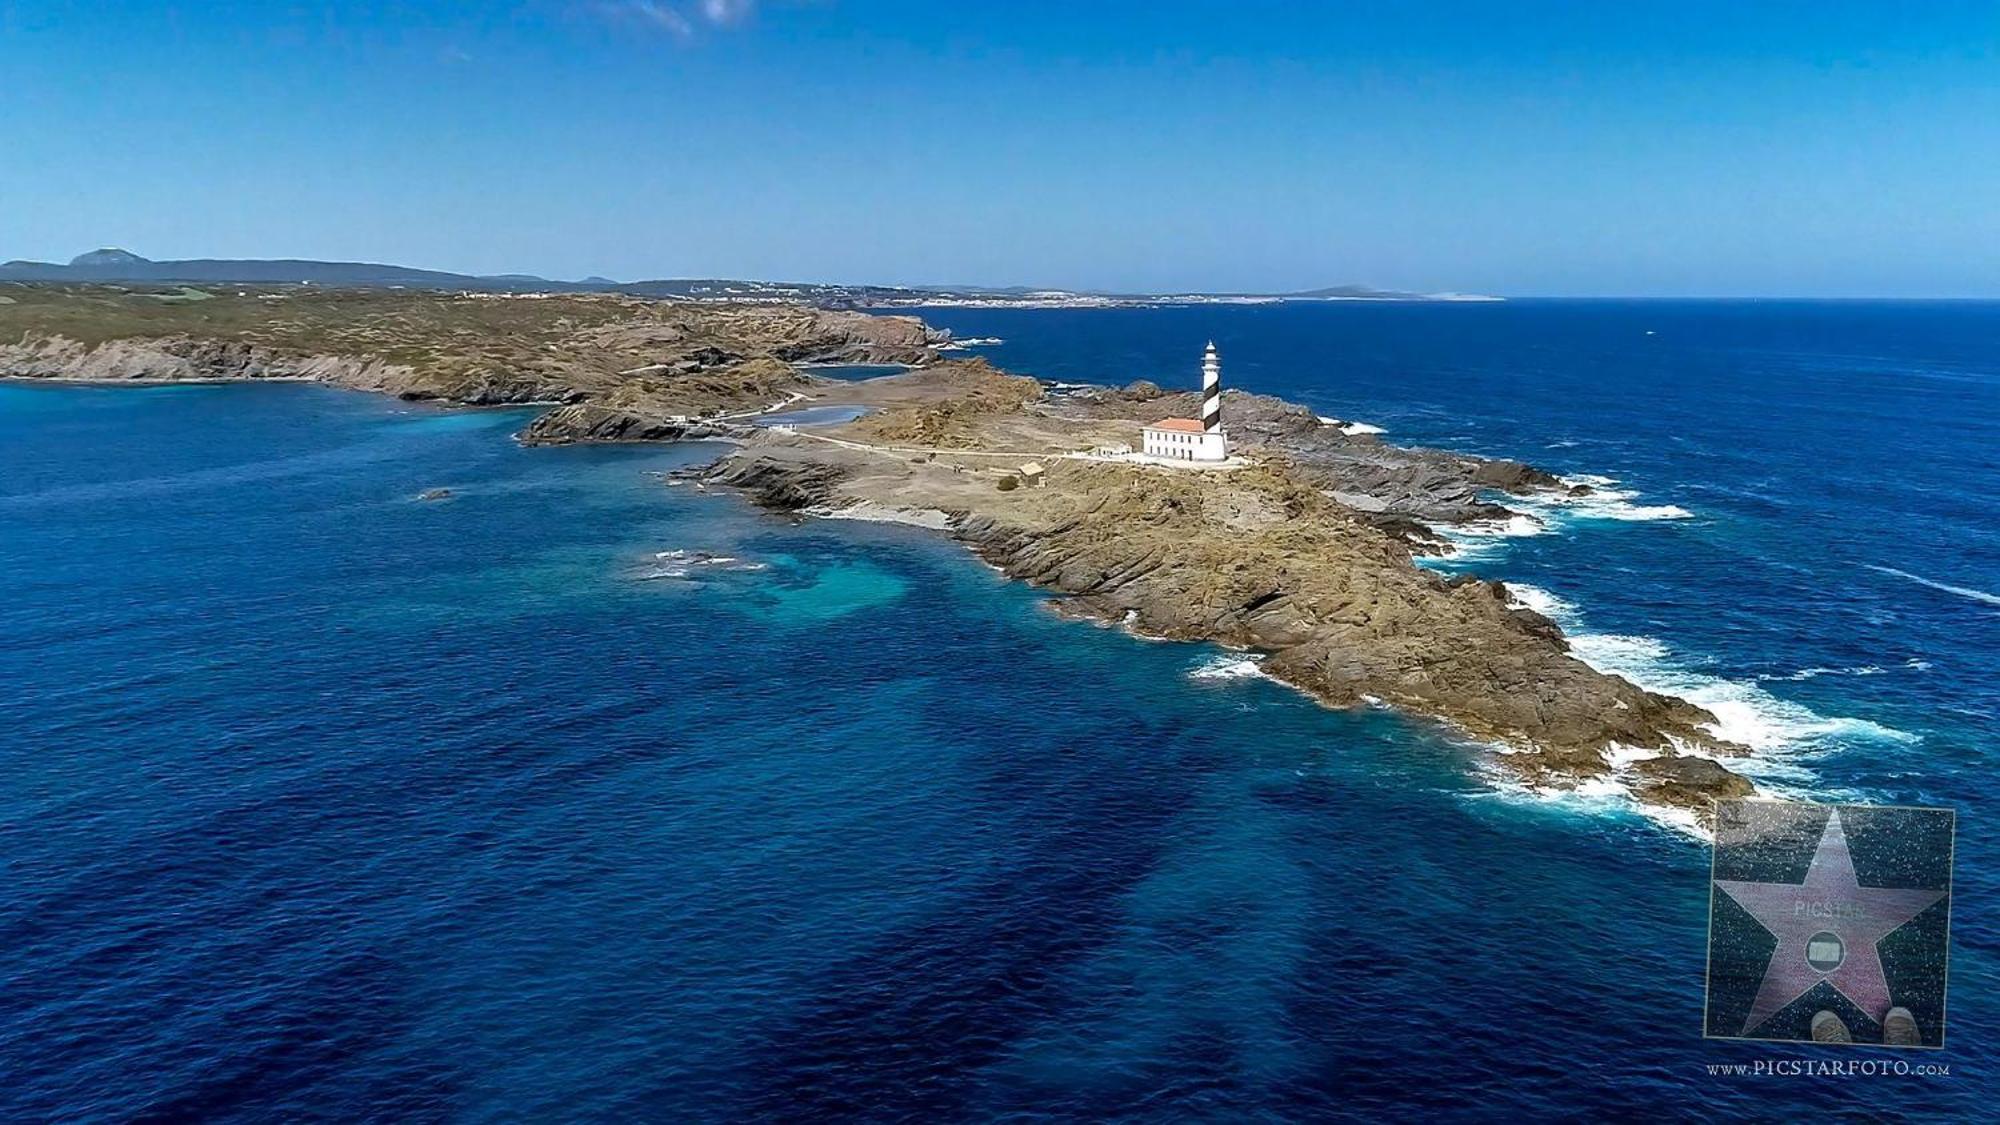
1185,439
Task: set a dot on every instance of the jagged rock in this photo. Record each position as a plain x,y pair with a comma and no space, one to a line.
783,484
1689,782
1511,476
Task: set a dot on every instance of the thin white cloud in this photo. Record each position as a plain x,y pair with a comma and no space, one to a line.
727,11
680,19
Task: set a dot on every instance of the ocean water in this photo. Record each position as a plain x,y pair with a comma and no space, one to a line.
325,801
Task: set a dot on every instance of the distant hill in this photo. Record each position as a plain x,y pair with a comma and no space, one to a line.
123,265
111,257
111,264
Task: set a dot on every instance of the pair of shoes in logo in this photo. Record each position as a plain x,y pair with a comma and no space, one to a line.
1899,1029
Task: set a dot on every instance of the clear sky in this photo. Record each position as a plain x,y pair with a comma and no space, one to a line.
1754,147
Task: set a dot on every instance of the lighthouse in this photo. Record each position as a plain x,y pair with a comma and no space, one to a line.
1211,391
1188,439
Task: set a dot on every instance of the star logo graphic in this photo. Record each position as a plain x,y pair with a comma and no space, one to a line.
1827,929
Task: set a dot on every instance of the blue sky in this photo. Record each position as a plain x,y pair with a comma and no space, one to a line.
1605,148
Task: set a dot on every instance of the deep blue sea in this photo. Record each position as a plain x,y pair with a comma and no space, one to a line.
321,801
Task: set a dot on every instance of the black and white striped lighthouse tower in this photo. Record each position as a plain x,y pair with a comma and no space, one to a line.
1211,391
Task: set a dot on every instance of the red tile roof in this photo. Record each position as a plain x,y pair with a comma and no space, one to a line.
1184,425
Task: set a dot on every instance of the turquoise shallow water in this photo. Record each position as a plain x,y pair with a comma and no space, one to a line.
324,800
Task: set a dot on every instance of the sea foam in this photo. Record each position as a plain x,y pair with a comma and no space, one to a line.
1541,513
1780,730
1604,501
1350,428
1481,539
1597,796
1227,666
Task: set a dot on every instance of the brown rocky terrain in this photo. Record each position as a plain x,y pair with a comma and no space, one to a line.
1260,559
478,349
1302,553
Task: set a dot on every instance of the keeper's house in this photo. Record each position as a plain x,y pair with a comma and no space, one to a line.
1183,439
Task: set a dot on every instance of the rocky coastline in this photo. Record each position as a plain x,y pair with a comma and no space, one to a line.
1304,554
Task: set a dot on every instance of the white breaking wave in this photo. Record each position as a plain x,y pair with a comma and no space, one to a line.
1541,601
1815,673
1513,527
1779,730
1350,427
681,563
1604,501
1544,512
1966,592
1226,667
1745,713
1597,796
1484,538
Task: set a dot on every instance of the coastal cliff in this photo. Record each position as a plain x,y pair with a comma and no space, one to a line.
1304,552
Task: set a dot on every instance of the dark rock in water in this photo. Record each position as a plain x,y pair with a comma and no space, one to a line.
1581,490
436,494
1142,390
1688,782
1512,476
682,564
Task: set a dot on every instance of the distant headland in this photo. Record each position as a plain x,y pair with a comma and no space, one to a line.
113,265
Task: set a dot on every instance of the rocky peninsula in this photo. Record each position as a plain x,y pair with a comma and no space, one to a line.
1305,552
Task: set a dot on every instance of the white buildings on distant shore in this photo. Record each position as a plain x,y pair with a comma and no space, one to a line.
1186,439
